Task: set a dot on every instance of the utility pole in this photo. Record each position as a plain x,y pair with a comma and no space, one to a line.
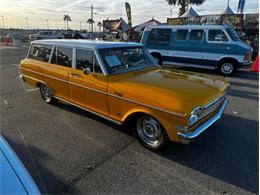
92,20
80,25
171,12
27,23
47,21
3,22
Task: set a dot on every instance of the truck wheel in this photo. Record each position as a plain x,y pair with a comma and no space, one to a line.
227,67
150,133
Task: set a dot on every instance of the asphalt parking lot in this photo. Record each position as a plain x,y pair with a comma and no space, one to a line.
67,150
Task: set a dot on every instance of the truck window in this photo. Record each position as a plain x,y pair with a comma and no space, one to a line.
62,56
182,35
217,35
40,52
196,35
159,37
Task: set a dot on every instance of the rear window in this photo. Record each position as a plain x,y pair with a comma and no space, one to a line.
40,52
62,56
159,37
196,35
182,35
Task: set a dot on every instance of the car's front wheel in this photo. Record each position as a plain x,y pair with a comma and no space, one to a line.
46,94
227,67
150,133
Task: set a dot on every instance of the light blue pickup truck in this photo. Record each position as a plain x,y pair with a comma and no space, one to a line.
215,47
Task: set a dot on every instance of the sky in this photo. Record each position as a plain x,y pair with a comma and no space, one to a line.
43,13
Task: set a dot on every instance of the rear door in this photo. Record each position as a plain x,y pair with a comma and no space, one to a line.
88,90
57,72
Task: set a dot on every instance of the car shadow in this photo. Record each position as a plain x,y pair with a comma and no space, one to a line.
227,151
33,159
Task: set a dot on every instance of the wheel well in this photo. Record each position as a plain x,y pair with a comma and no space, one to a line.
131,119
156,54
236,63
38,84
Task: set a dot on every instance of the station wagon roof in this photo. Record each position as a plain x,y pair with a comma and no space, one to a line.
188,26
85,43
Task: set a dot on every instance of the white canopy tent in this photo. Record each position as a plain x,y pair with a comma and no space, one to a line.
190,13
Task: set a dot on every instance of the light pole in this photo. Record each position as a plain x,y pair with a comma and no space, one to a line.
3,22
47,22
27,23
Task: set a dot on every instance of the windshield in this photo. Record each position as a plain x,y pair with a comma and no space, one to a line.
126,59
233,35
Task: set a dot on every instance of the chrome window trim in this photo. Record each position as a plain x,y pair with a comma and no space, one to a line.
105,93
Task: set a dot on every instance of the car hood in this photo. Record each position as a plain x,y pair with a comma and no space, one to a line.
172,90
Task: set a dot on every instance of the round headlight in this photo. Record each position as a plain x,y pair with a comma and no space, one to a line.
195,115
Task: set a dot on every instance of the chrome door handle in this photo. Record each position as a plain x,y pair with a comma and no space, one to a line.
75,75
118,94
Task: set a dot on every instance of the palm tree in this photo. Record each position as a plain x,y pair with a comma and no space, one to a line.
90,22
99,24
184,4
67,19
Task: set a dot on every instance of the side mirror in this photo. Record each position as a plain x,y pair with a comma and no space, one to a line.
86,71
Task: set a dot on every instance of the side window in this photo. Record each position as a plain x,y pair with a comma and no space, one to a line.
40,52
62,56
182,35
84,59
196,35
159,37
217,35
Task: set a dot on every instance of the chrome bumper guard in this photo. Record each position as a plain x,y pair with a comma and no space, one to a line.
204,126
247,64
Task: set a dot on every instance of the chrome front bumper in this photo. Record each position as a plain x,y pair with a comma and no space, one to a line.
204,126
246,64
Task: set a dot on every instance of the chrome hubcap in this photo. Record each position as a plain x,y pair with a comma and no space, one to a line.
46,93
227,68
149,130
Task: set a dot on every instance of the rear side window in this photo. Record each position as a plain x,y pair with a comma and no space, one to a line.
159,37
40,52
62,56
196,35
217,35
182,35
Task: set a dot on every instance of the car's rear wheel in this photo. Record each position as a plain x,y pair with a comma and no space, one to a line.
150,133
46,94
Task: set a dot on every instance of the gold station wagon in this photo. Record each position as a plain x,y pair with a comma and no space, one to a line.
121,82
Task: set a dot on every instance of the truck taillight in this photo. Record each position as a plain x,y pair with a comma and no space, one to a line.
247,56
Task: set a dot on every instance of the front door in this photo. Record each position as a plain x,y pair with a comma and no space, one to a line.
88,88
